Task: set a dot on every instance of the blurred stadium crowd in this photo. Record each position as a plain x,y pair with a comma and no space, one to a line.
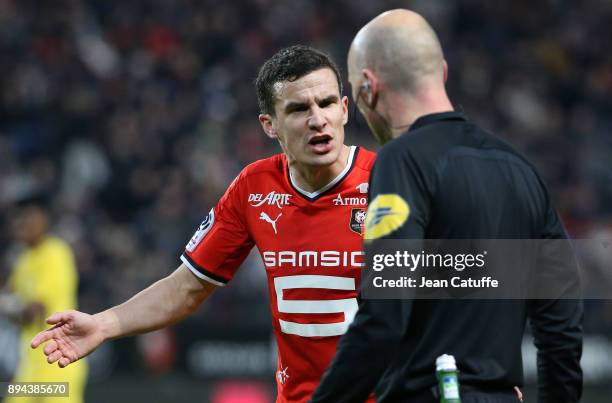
136,115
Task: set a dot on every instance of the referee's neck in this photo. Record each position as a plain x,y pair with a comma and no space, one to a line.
403,110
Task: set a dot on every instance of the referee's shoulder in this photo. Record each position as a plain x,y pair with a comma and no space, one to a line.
496,142
418,144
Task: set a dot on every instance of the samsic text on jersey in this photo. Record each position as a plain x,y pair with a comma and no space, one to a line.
311,247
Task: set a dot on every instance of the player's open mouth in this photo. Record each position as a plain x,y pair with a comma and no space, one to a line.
321,144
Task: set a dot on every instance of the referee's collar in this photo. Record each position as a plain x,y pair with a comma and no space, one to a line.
436,117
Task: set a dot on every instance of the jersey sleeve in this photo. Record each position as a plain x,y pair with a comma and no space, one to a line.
222,241
399,202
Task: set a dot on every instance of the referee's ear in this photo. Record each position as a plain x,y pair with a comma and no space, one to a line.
445,67
267,125
370,87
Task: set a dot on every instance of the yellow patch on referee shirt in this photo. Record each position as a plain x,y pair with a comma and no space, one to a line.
386,213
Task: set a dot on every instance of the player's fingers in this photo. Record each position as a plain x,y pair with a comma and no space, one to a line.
41,338
50,347
54,356
57,317
63,362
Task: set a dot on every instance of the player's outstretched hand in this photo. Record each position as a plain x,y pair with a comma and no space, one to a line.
74,335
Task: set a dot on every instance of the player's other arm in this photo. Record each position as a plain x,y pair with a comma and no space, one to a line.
76,334
164,303
212,256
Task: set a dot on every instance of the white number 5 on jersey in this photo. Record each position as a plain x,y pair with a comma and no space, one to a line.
347,306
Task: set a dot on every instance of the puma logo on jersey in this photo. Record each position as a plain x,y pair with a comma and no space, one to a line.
350,201
278,199
266,218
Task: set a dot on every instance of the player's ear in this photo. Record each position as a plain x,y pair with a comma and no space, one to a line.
345,102
267,124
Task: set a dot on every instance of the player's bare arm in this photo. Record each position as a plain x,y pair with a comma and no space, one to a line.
76,334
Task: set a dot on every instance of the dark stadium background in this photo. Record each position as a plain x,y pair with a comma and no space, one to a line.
136,115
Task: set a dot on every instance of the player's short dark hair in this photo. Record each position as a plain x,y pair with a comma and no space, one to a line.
289,64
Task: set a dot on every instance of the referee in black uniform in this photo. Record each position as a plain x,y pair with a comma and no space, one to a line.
439,176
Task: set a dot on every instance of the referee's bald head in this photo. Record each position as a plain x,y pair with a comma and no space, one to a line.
397,72
401,48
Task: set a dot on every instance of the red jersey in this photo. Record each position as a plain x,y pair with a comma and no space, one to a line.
311,246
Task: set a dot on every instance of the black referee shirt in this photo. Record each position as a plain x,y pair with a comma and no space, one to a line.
459,182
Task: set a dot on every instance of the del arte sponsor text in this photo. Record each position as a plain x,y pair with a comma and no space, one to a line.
325,258
272,198
455,282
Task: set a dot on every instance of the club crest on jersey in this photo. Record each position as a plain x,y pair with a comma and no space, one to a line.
358,218
350,201
386,213
202,231
272,198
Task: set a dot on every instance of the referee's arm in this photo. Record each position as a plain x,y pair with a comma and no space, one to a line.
372,340
557,323
364,352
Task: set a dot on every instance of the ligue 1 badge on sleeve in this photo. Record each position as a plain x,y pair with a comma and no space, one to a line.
357,223
202,231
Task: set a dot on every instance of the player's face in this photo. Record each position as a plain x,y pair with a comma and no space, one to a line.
30,225
310,118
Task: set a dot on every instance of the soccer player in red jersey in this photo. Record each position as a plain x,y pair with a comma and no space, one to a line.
304,209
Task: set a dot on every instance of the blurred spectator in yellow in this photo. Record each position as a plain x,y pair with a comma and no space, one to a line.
44,280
